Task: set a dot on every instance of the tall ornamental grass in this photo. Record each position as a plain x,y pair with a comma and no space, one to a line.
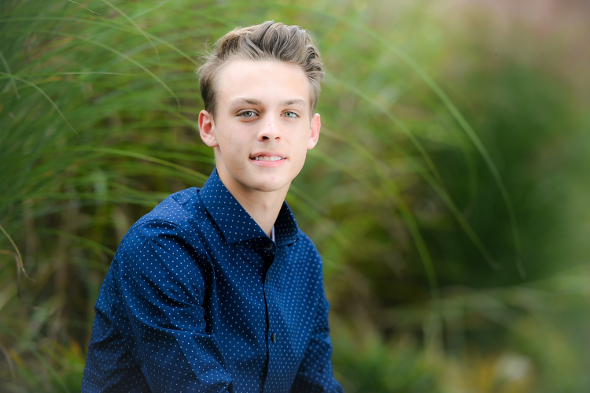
446,195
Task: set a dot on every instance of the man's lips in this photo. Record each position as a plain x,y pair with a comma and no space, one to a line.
267,156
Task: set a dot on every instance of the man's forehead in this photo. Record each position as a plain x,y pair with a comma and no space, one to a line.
257,81
257,102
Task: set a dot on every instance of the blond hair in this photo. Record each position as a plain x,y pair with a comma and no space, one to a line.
267,41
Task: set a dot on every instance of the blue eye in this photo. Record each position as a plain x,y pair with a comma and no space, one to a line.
291,114
247,114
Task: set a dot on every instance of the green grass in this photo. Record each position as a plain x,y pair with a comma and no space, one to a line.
446,194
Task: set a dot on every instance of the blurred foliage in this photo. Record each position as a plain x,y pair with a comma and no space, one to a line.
447,194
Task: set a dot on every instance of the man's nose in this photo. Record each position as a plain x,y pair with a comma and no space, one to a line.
270,129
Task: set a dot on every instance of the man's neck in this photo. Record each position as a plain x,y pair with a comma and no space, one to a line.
263,207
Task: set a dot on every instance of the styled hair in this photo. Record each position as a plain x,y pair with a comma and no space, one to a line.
267,41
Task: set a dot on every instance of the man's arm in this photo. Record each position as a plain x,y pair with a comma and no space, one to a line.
315,373
160,290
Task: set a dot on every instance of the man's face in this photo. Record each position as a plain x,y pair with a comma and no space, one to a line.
263,126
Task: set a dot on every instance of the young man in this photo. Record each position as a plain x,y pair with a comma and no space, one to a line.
217,290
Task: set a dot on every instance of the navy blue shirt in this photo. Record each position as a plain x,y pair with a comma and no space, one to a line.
199,299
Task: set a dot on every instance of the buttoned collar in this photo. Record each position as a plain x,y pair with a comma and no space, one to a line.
235,223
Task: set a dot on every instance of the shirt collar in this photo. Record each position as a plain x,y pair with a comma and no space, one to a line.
235,223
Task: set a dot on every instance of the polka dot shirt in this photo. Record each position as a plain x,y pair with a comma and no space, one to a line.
199,299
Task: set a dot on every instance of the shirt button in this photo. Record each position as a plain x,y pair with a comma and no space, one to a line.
273,337
268,246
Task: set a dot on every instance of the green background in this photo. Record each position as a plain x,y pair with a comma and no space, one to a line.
447,195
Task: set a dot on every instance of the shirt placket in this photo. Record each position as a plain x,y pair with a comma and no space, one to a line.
279,355
270,281
269,252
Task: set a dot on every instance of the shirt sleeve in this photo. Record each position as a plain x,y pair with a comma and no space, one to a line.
315,372
162,280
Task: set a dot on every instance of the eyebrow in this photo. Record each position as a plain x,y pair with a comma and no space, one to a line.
251,101
293,102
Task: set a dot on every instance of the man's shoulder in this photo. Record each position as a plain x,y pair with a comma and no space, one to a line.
304,243
175,215
305,240
176,208
172,222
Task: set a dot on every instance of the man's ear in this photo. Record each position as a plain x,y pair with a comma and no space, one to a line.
207,129
316,124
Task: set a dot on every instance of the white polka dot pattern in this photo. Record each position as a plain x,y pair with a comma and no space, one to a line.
199,299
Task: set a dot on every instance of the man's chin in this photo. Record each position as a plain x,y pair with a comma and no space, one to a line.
271,187
248,187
